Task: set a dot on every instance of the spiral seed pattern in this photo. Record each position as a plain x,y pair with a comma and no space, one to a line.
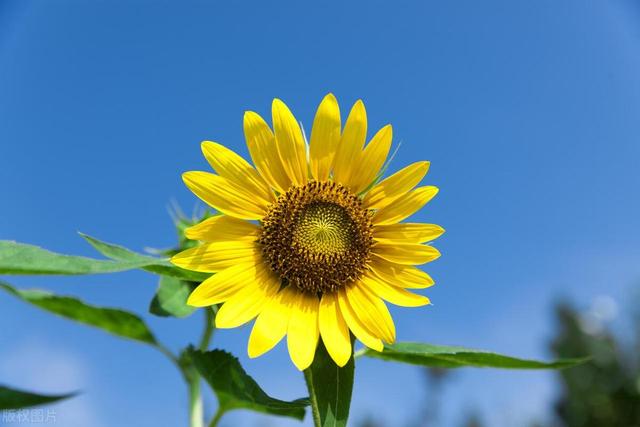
317,236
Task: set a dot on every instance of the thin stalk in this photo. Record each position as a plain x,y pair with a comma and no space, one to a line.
313,397
216,418
359,353
207,334
164,350
192,378
196,416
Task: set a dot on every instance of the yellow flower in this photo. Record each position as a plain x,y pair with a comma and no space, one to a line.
309,242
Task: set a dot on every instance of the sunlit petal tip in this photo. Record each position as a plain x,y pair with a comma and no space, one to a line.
250,116
209,148
196,300
220,324
278,103
178,260
254,351
206,143
301,365
377,346
192,177
341,362
330,96
358,111
436,255
422,167
187,177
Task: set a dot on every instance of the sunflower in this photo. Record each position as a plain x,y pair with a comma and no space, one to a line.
310,242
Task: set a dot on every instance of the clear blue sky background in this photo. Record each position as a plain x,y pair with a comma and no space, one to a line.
528,111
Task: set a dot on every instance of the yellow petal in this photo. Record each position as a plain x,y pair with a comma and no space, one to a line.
372,159
222,228
372,312
222,286
393,294
302,335
407,254
334,330
404,276
389,189
351,143
248,302
404,206
407,232
264,152
325,136
217,256
356,326
231,166
272,323
291,146
224,195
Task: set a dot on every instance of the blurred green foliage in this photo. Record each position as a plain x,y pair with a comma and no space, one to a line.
606,391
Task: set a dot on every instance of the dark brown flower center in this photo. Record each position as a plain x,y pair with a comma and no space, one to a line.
317,236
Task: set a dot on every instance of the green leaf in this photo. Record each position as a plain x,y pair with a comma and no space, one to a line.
171,298
20,258
456,357
237,390
330,388
148,263
114,321
11,398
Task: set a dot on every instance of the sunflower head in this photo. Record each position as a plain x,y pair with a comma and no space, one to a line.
310,241
317,237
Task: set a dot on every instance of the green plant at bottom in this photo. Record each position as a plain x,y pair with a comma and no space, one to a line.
330,387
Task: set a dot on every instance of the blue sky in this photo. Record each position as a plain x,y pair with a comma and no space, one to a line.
528,112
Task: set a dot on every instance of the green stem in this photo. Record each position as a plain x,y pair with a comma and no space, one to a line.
216,418
359,353
207,334
313,397
164,350
196,417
